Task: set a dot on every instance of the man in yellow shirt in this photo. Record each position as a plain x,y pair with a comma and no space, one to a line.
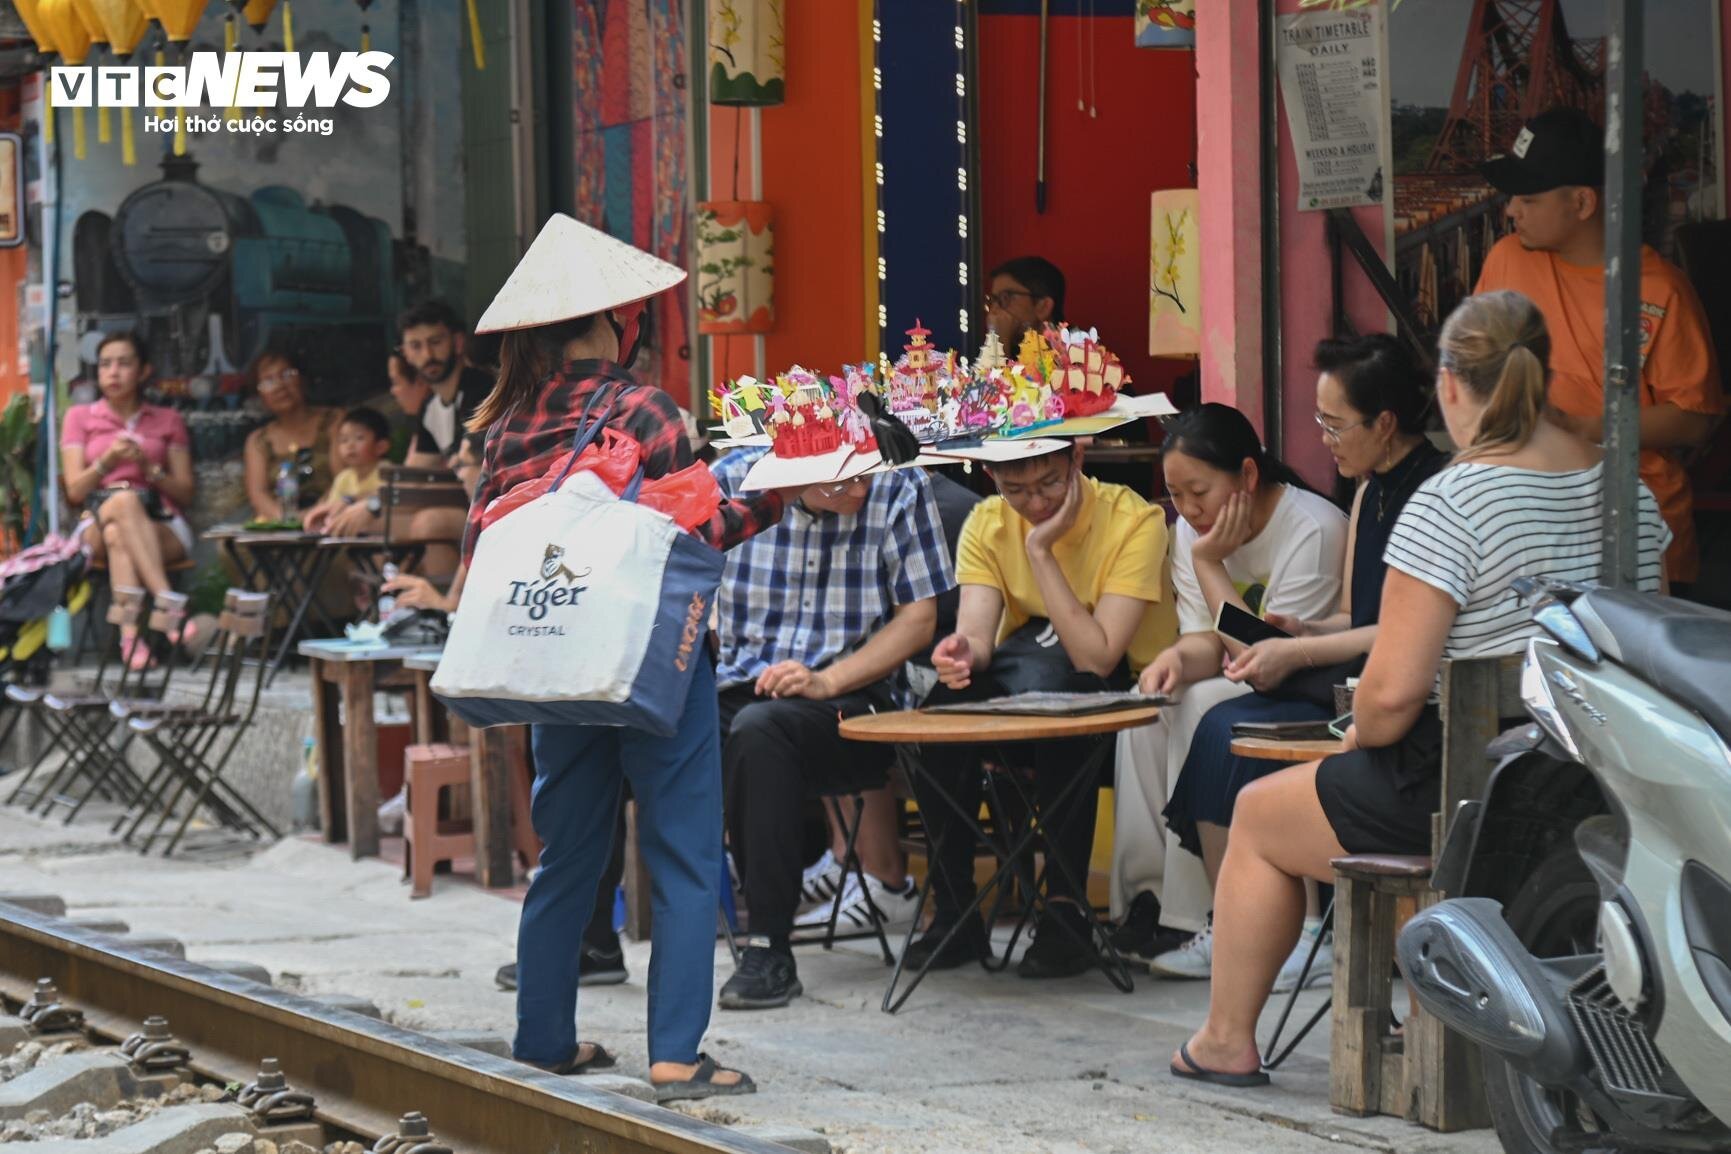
1554,178
1063,590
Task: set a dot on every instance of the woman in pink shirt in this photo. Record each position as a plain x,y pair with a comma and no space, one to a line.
129,465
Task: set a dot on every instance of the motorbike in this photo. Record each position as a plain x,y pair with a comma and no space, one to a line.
1585,939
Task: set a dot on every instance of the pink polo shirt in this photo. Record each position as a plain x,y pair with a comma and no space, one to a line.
93,428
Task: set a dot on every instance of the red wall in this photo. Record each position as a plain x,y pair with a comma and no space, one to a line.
1099,170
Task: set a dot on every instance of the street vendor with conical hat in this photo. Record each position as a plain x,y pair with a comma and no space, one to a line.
570,314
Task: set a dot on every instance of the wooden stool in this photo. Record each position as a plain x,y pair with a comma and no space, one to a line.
427,770
1428,1076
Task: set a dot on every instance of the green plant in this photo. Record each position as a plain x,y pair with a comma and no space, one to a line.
17,466
209,589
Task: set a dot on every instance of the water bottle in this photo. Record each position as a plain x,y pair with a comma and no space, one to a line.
288,488
388,601
304,793
60,629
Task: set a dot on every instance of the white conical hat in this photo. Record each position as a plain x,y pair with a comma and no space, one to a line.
573,270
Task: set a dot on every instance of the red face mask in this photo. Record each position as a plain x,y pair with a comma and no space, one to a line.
631,325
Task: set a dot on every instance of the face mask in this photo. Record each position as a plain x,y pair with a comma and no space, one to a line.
633,334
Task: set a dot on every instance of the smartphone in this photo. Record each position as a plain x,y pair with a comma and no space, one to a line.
1244,628
1340,725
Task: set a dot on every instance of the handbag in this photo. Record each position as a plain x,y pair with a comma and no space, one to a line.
582,607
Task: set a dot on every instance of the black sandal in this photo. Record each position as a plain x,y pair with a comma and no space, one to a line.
599,1059
1199,1073
703,1084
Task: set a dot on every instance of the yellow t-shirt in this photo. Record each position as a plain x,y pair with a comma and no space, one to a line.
351,486
1117,545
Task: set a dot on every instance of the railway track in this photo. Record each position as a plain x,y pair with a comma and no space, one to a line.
388,1088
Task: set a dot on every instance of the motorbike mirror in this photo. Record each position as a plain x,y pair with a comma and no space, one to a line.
1556,619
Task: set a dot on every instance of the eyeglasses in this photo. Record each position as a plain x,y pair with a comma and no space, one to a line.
1002,298
1051,487
286,377
839,488
1331,433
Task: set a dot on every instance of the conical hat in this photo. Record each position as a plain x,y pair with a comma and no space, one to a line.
573,270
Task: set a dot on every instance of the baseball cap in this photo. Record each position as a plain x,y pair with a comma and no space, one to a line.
1555,149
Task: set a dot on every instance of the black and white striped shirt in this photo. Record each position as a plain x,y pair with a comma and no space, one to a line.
1473,528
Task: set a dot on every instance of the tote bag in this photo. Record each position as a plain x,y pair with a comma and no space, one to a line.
581,608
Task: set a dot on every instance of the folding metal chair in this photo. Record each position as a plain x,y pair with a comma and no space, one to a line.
851,866
188,741
71,720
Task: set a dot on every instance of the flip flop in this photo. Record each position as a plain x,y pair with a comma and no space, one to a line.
703,1084
1200,1073
600,1059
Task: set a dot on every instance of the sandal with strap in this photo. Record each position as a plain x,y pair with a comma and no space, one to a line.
702,1084
1196,1072
599,1059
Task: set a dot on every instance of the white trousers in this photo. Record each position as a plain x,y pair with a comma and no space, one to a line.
1146,856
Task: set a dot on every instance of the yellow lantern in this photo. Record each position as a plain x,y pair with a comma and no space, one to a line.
256,13
28,11
179,17
72,38
125,23
92,21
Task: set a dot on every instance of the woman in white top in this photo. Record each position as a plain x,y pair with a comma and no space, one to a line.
1250,535
1524,499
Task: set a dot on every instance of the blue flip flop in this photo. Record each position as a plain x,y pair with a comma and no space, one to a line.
1199,1073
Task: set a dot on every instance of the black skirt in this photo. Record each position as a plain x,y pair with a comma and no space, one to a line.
1381,800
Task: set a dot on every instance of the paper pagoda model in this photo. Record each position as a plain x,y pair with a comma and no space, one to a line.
991,354
809,416
1080,372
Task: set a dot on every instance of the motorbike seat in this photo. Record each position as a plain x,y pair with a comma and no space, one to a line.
1681,648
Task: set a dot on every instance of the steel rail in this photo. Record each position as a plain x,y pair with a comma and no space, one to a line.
363,1073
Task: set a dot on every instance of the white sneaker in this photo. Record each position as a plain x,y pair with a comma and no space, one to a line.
1193,960
820,881
1321,970
895,908
392,813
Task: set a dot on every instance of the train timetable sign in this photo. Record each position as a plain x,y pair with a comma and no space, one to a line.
1333,83
11,190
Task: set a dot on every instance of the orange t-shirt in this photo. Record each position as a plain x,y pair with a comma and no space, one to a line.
1677,365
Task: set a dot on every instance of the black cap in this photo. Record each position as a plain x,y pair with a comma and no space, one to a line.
1556,149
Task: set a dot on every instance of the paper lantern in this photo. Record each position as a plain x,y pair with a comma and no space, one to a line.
1175,275
735,267
123,25
29,12
152,12
256,13
747,54
179,17
92,21
1166,23
72,38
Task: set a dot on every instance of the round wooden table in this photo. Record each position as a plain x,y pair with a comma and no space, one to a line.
1279,749
919,727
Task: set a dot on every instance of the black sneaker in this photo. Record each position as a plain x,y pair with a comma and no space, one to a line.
1061,946
602,967
598,968
766,978
1140,935
969,945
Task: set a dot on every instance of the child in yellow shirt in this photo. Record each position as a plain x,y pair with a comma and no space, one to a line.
363,439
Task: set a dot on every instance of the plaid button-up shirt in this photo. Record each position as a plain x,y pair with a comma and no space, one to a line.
527,442
815,587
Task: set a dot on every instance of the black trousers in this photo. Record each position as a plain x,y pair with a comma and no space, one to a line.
1020,665
776,754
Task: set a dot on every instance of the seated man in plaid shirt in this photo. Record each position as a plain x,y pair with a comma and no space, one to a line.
817,617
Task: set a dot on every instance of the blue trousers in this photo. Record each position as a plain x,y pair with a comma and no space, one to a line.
676,782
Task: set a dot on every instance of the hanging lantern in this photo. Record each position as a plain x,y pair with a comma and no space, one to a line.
747,60
124,23
152,13
256,13
1166,23
288,26
72,38
92,21
29,12
735,267
1175,275
475,39
179,17
366,29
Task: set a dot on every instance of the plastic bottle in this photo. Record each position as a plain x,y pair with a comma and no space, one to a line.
288,488
304,793
388,601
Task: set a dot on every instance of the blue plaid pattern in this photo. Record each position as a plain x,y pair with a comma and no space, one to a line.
814,587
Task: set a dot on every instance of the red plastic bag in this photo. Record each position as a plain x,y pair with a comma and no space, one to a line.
614,458
690,496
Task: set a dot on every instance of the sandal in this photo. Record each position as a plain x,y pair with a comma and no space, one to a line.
1199,1073
135,652
702,1084
599,1059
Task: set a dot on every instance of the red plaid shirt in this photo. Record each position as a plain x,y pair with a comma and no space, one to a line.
525,444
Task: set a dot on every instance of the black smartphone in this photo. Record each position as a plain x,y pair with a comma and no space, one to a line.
1244,628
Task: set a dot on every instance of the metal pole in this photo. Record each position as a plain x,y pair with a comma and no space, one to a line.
1273,417
1624,108
50,426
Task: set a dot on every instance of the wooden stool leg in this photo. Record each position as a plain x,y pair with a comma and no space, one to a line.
1363,977
423,817
1444,1073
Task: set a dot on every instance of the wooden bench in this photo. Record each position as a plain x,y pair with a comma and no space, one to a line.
1428,1075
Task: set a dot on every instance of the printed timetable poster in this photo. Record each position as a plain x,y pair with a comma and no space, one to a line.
1333,81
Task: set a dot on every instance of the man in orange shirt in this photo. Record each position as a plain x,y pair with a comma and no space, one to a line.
1554,179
